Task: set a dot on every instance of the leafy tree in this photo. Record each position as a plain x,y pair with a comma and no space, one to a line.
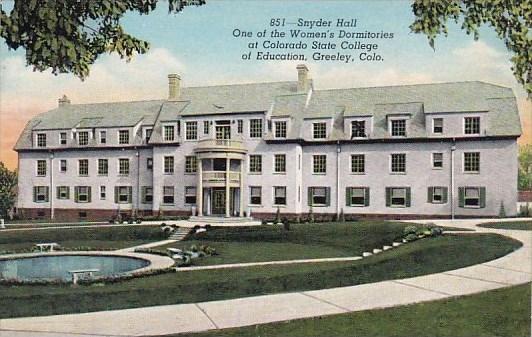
525,167
511,20
67,36
8,184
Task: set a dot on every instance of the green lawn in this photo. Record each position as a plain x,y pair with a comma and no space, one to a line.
519,225
502,312
425,256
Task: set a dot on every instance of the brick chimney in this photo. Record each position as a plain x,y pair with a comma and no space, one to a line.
174,87
303,82
63,100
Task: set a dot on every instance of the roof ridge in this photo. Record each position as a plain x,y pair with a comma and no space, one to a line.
238,84
412,85
121,102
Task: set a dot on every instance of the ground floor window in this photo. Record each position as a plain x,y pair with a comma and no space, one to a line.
103,193
319,196
123,194
398,196
279,195
82,194
255,195
63,192
168,194
147,194
40,194
437,195
357,196
190,195
472,197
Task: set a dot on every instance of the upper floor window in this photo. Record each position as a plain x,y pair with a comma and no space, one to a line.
103,137
472,125
148,133
437,125
191,130
472,162
437,160
206,127
83,138
41,140
255,163
398,127
169,133
279,165
240,126
398,163
358,163
41,168
103,167
191,164
123,166
280,129
255,195
358,129
83,167
319,130
63,138
123,137
63,165
319,163
168,164
255,128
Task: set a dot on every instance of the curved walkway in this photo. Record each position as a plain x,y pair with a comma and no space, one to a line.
512,269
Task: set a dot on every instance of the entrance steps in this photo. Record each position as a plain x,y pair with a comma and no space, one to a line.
218,221
179,234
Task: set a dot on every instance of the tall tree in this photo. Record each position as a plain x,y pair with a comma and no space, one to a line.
525,167
511,20
8,192
67,36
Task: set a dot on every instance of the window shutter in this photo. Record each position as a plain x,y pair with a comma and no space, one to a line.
130,194
388,196
34,193
461,197
366,196
143,194
348,196
328,196
430,194
444,195
47,195
408,201
309,196
57,192
89,194
116,194
76,193
482,191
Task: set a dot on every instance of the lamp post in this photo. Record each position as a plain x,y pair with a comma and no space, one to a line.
51,191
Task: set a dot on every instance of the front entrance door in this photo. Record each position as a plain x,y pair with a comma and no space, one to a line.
218,201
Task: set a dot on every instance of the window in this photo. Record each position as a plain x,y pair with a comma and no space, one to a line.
103,167
472,162
206,127
103,193
41,168
190,195
255,128
123,166
398,127
398,196
279,195
398,164
191,164
123,136
83,167
40,193
103,137
169,133
83,138
148,133
358,129
168,194
255,195
82,194
169,165
62,138
472,125
255,163
191,130
147,194
437,195
437,160
319,130
149,163
319,163
319,196
41,140
63,165
357,196
123,194
437,125
240,126
472,197
358,163
279,165
63,192
280,129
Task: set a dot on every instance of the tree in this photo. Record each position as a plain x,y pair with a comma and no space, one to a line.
511,20
8,184
525,168
67,36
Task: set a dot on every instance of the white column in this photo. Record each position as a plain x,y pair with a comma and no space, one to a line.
241,194
227,187
199,189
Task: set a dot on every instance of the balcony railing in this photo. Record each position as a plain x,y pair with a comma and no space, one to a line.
219,177
220,145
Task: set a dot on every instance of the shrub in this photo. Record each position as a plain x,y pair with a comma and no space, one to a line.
139,220
130,221
502,211
278,215
286,224
310,215
411,237
342,216
423,231
193,248
436,231
409,230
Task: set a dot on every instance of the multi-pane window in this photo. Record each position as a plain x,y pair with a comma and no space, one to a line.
63,138
318,196
63,165
191,130
280,129
82,194
147,194
240,126
63,192
83,138
169,133
168,164
83,167
123,194
398,127
190,195
358,163
397,196
398,163
149,163
191,164
437,195
168,194
103,167
123,136
319,163
255,195
103,137
472,125
279,195
255,163
319,130
437,125
357,196
41,168
123,166
41,140
472,162
206,127
437,160
472,197
103,192
358,129
40,194
148,133
279,165
255,128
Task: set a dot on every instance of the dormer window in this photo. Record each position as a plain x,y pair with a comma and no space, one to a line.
147,134
123,137
41,140
437,125
62,138
398,128
83,138
103,137
319,130
472,125
358,129
280,129
169,133
191,130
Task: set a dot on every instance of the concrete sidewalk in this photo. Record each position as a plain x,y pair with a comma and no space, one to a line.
512,269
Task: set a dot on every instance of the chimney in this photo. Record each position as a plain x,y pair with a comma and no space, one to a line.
63,101
174,87
303,82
